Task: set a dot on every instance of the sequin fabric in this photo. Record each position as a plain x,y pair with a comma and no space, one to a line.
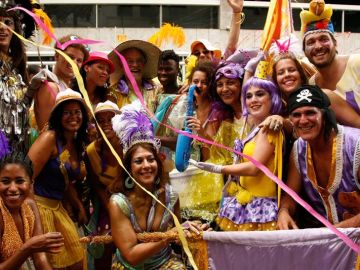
14,113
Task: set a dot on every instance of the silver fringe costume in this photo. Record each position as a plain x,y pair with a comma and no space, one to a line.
14,113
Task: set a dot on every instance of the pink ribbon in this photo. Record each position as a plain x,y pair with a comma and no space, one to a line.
46,29
259,165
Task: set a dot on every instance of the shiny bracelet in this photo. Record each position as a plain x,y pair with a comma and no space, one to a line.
242,17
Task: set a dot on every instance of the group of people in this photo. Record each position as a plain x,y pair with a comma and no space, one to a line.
59,177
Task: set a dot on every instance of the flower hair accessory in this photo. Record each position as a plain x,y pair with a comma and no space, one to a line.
230,71
133,126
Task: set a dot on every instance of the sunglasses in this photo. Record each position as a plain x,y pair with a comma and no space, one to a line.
231,71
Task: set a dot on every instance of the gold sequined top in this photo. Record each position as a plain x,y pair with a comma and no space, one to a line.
11,240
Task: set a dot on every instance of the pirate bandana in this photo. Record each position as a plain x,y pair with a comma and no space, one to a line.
308,95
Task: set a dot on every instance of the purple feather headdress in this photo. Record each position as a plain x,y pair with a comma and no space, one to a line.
133,126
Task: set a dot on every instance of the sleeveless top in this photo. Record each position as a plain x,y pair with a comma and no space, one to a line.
348,87
161,257
105,175
51,183
334,201
11,241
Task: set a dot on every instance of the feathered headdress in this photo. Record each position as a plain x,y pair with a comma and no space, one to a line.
168,33
286,44
133,126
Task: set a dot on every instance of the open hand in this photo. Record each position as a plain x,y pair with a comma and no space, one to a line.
206,166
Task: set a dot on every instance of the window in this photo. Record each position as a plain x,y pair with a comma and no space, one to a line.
129,16
255,18
352,21
192,16
72,15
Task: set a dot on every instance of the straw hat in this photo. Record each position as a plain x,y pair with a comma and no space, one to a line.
66,95
107,106
151,52
208,46
99,56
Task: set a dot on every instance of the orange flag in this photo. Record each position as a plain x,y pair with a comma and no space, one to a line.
278,23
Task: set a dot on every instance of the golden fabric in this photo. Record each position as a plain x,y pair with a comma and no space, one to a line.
54,218
110,173
11,240
227,225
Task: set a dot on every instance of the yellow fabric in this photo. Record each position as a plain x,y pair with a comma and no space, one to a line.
278,23
110,172
202,194
261,185
11,240
150,96
54,218
227,225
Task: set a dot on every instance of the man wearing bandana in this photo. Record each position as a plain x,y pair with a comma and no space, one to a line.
339,73
324,164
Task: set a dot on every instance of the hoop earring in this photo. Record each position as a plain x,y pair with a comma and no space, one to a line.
129,183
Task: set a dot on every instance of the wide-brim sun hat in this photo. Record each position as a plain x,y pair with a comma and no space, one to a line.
99,56
151,52
68,95
107,106
208,46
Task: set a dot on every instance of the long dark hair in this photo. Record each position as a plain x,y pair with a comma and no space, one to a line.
119,185
17,50
55,124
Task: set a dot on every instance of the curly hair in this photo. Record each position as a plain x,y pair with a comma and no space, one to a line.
20,159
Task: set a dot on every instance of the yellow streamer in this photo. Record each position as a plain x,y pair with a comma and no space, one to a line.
88,103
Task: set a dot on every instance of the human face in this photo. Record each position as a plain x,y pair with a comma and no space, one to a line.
258,103
201,82
64,67
320,49
71,118
229,91
97,72
136,62
287,76
167,72
15,185
5,33
104,120
202,53
144,167
308,122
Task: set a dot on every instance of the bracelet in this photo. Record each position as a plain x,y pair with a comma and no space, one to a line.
242,17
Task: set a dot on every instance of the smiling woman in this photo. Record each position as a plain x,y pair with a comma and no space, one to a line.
58,164
20,228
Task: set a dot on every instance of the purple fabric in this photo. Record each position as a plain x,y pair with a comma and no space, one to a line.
344,184
310,249
123,88
259,210
350,98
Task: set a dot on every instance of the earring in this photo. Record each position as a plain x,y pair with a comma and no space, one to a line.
106,85
129,183
157,182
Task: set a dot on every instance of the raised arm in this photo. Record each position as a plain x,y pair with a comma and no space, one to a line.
44,102
237,7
